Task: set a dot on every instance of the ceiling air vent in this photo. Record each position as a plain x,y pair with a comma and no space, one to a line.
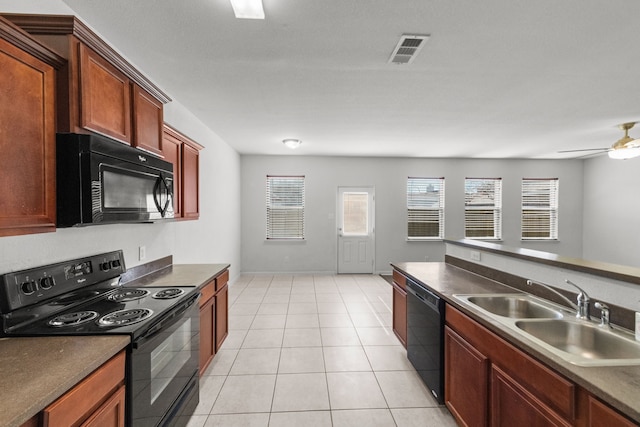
407,48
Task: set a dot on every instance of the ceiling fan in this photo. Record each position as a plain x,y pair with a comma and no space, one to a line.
624,148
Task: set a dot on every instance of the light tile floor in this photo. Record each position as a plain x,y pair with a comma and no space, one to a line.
313,351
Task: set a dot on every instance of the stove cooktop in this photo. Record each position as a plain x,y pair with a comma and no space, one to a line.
82,297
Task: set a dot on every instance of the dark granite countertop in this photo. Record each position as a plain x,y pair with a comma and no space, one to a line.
619,386
37,371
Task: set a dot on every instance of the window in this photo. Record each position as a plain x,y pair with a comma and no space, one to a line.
483,208
425,208
539,209
355,214
285,207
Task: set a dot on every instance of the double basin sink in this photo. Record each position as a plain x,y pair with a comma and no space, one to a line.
557,329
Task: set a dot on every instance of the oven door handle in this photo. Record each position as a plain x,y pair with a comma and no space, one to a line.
171,318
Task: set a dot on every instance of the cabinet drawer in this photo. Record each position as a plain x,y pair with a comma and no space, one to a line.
82,400
551,388
222,280
207,292
399,279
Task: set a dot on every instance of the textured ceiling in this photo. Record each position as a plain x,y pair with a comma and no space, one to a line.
496,79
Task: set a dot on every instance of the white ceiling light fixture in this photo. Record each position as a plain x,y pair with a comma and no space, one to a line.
292,143
248,9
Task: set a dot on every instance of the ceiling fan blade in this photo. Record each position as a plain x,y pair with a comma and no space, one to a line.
584,149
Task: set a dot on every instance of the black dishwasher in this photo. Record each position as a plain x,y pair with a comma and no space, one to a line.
425,336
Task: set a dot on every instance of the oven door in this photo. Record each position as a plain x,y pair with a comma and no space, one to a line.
163,364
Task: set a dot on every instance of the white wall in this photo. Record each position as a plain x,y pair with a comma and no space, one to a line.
612,210
318,253
212,239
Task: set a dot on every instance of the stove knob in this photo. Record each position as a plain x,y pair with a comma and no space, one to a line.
105,266
47,282
28,287
115,263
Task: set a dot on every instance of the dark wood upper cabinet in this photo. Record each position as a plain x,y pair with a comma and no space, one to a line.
147,121
98,90
27,133
105,97
172,148
184,153
190,181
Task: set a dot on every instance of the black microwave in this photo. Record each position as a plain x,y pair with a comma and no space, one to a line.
102,181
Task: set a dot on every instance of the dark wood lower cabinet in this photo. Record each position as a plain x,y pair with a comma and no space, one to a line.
400,313
512,405
214,318
490,382
466,381
399,285
207,330
97,401
222,316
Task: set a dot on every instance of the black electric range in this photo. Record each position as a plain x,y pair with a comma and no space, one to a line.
84,297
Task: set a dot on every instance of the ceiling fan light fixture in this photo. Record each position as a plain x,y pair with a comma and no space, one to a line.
626,147
624,153
292,143
248,9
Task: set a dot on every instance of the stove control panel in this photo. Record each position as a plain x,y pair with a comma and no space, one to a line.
26,287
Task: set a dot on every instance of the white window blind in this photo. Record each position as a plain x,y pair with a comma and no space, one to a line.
285,207
483,208
425,208
539,209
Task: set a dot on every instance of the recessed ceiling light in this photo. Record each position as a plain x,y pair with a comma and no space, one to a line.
248,9
292,143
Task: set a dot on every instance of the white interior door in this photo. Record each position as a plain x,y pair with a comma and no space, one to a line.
356,230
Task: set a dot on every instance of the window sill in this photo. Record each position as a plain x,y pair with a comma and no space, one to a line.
424,239
285,240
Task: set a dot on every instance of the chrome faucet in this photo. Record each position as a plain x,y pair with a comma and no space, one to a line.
604,317
583,302
582,306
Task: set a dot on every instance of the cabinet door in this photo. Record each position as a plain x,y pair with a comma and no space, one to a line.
222,316
207,325
110,414
466,380
190,182
147,121
105,99
172,150
512,405
78,404
27,141
400,314
601,415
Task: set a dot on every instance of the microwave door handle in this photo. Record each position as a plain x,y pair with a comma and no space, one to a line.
156,195
158,191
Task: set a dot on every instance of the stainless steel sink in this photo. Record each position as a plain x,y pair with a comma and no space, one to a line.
516,306
585,340
555,329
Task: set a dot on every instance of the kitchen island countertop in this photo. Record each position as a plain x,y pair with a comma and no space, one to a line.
619,386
